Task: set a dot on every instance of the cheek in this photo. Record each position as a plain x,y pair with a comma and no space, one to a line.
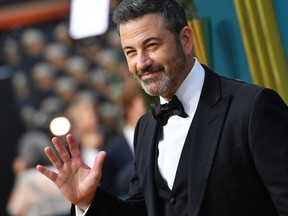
132,67
161,57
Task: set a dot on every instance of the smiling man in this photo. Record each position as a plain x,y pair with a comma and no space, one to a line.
215,146
157,59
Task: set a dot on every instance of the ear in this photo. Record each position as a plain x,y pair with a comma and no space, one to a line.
186,38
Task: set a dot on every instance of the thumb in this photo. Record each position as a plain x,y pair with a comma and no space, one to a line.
98,164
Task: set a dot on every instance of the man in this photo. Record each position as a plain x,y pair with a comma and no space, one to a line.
226,155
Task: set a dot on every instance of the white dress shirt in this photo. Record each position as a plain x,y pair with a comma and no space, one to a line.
176,129
128,133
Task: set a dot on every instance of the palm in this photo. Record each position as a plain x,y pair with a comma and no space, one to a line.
74,178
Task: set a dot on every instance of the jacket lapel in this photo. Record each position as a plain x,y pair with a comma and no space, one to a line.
152,159
148,152
203,138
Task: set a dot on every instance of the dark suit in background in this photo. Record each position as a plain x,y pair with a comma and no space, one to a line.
117,167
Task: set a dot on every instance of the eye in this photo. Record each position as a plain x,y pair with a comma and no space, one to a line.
130,53
152,46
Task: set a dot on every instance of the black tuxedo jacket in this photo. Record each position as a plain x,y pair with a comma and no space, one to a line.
238,162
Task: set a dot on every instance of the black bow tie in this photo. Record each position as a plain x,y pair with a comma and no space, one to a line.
162,112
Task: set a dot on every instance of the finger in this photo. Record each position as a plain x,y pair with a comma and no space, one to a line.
63,153
48,173
74,149
56,162
98,164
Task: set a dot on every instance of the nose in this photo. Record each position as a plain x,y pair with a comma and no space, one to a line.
143,61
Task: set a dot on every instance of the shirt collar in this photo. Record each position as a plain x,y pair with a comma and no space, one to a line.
190,90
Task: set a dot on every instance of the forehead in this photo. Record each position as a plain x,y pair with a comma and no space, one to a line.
150,25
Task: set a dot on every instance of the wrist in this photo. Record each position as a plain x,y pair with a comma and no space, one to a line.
84,203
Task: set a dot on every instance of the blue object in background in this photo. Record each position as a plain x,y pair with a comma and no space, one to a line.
228,53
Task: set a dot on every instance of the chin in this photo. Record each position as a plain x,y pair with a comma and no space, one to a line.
152,92
153,88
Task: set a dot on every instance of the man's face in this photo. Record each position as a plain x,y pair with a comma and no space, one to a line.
155,59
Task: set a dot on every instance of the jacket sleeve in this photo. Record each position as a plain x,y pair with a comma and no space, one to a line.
269,145
107,204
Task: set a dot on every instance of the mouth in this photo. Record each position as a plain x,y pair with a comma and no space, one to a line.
148,75
150,72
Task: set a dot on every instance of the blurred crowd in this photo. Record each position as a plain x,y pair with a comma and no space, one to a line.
54,75
50,70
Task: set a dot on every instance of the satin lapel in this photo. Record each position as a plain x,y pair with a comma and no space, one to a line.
149,137
203,137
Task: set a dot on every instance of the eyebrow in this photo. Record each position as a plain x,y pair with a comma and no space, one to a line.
144,42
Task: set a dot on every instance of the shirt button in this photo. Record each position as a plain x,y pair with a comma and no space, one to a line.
172,200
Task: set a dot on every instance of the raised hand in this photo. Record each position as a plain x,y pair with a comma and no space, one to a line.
76,181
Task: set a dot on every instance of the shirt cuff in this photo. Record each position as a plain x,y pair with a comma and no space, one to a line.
80,212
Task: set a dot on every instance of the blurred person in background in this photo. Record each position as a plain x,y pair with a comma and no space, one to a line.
33,43
108,59
12,53
43,78
85,124
110,115
22,89
56,54
118,164
51,107
99,83
88,48
77,67
65,89
33,195
61,35
30,94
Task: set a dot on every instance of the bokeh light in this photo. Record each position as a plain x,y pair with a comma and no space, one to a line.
60,126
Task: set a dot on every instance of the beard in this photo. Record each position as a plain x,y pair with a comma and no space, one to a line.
168,76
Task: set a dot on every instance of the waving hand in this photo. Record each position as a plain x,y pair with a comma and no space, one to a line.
76,181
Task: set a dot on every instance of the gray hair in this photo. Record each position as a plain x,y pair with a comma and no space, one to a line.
171,11
31,148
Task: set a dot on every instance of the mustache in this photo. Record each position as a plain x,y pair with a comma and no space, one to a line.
150,69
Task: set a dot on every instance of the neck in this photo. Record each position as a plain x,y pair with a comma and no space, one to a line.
171,92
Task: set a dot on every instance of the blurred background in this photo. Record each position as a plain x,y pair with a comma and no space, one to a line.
52,84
